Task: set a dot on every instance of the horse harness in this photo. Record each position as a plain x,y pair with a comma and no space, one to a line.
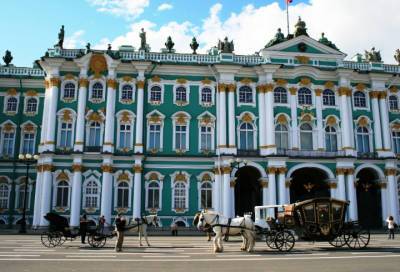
241,226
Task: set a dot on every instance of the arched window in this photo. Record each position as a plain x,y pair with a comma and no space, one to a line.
28,142
8,143
179,195
123,195
66,134
306,137
127,92
91,191
245,94
206,95
281,136
125,136
360,100
396,141
21,196
31,105
304,96
154,136
153,195
94,134
328,98
4,194
180,94
330,139
393,103
363,140
69,90
280,95
206,195
12,103
97,91
246,134
155,94
206,134
62,194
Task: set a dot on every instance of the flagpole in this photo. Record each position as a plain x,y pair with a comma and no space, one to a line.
287,15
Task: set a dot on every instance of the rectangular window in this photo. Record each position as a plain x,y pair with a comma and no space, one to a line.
66,135
205,138
28,144
8,144
180,137
125,140
154,137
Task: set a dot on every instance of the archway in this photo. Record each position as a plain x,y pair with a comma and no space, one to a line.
369,198
247,190
307,183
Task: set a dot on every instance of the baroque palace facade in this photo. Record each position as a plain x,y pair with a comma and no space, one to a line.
137,132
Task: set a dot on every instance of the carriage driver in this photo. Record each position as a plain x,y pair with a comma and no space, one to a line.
120,223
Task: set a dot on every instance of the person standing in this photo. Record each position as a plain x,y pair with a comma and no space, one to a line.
120,222
391,226
83,223
174,229
102,222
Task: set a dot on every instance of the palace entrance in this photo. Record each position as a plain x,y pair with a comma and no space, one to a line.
369,198
247,190
308,183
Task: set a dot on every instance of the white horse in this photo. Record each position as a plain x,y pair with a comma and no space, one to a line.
221,226
139,225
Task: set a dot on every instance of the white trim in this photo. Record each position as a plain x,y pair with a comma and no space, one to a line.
200,184
132,130
287,104
187,186
88,122
22,133
367,100
255,129
91,176
379,171
63,83
59,122
20,182
174,124
161,123
312,105
93,81
2,137
55,183
212,88
313,135
187,89
5,104
310,165
122,84
252,86
8,184
212,125
130,184
370,133
151,85
160,187
26,98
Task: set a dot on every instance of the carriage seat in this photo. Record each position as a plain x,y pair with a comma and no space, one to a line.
271,222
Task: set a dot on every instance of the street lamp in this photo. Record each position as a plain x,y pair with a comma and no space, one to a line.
27,159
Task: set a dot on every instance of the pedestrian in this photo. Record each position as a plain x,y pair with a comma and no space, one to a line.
120,223
102,222
391,226
83,224
174,229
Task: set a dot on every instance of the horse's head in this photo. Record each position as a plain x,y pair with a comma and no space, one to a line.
152,220
201,221
196,219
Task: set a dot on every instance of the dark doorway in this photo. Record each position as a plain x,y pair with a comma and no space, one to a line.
247,190
308,183
369,199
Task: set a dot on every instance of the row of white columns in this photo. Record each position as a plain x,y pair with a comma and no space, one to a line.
266,121
226,113
381,121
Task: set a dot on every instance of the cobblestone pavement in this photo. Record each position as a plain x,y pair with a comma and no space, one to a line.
26,253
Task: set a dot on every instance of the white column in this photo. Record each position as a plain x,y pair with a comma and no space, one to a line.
264,188
261,120
320,129
217,192
345,118
232,198
231,118
282,189
106,190
352,196
108,145
385,204
392,194
293,116
271,187
38,197
80,118
269,119
46,193
139,117
385,121
137,190
52,113
76,192
341,185
221,123
226,191
45,117
377,122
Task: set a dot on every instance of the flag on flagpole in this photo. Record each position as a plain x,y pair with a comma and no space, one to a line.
289,1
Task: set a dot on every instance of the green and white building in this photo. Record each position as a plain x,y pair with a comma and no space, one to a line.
139,132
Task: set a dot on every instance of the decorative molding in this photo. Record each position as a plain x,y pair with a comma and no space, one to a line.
62,176
282,119
293,90
98,64
329,85
272,170
137,168
226,170
77,167
31,93
206,81
246,81
305,81
156,79
393,89
390,171
181,81
123,177
247,118
54,82
382,95
344,91
360,87
231,88
303,59
331,121
318,92
363,122
83,82
281,82
112,83
140,84
374,94
269,87
221,87
106,168
127,78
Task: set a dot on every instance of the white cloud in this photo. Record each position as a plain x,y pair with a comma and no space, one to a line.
352,25
128,9
164,6
75,40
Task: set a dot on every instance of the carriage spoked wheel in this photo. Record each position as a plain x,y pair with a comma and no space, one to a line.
97,240
284,240
270,240
49,239
339,241
357,238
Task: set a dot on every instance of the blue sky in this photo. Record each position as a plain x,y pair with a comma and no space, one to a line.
30,27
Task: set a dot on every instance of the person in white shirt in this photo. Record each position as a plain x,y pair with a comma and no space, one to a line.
391,226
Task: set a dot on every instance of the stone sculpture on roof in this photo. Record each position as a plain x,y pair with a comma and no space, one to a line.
279,37
373,55
226,46
301,28
327,42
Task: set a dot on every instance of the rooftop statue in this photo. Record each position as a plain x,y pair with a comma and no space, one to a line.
7,58
169,44
194,45
88,48
373,56
61,37
226,46
327,42
301,28
397,56
279,37
143,42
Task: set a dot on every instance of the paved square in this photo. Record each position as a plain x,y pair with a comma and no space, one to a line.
26,253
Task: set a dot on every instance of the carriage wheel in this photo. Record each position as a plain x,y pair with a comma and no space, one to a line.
284,240
357,238
270,240
97,240
46,239
339,241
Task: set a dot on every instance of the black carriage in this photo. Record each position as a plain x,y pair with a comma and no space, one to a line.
318,219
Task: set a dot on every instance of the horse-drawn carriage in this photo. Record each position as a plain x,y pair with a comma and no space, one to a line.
319,219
